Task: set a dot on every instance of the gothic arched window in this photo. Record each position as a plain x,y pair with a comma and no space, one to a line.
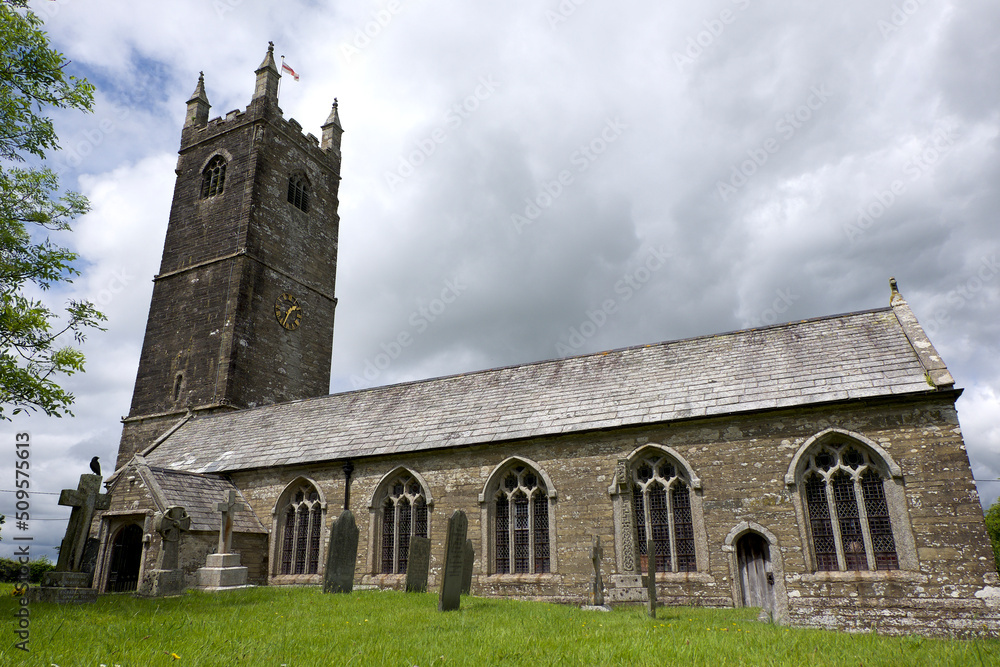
846,507
298,191
213,178
300,521
520,528
661,499
403,516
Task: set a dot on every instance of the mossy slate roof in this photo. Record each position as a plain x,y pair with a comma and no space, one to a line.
200,495
841,357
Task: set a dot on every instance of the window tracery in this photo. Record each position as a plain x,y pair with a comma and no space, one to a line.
847,512
521,522
302,528
213,178
661,498
403,516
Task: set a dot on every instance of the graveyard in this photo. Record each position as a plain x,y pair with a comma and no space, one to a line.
304,626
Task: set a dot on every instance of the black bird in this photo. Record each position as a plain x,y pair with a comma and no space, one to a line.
95,465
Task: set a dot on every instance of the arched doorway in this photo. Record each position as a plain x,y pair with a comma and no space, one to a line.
753,558
126,558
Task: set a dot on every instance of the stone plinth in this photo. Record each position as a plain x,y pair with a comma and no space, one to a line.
627,588
222,571
166,582
64,587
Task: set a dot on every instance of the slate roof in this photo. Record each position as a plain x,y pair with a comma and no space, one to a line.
199,495
852,356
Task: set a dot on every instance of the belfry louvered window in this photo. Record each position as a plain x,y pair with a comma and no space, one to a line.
848,515
302,527
661,500
404,516
521,523
298,192
213,178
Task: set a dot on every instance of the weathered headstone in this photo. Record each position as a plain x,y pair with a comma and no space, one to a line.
468,559
418,564
454,556
167,579
223,570
596,554
68,583
651,581
342,555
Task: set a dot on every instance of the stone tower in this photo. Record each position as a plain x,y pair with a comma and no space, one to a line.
243,305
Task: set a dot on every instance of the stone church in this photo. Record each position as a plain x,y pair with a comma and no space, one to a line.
815,469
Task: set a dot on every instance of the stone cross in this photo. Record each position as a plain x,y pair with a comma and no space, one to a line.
228,509
85,500
651,580
416,567
628,525
596,554
170,525
342,555
454,558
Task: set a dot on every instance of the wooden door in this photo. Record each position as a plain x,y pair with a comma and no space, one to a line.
126,558
756,579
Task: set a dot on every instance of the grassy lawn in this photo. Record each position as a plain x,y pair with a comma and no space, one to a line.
301,626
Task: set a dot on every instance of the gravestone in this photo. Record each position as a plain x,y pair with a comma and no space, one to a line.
468,559
68,582
454,556
416,568
651,580
342,555
596,553
223,570
168,578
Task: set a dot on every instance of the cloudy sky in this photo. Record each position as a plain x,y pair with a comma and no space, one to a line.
701,166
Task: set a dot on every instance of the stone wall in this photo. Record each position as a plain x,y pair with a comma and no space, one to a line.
742,462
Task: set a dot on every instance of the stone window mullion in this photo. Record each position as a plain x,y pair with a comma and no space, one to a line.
863,518
531,531
672,533
835,521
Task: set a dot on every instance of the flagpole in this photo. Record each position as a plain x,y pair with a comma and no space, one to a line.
280,70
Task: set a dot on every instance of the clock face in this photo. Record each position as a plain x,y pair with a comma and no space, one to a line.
288,311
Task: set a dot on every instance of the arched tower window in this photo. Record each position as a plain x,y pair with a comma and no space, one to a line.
298,191
300,521
213,178
520,529
848,516
403,515
661,498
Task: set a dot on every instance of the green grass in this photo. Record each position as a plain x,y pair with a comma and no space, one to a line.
301,626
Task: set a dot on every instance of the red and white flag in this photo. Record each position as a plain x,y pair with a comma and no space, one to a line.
286,68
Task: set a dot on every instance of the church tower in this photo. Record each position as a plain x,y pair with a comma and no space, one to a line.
243,305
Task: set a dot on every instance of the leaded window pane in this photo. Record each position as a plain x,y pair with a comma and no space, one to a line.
301,538
314,534
289,542
419,518
824,543
879,526
522,534
850,522
659,524
502,535
404,535
388,535
541,511
683,529
639,511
